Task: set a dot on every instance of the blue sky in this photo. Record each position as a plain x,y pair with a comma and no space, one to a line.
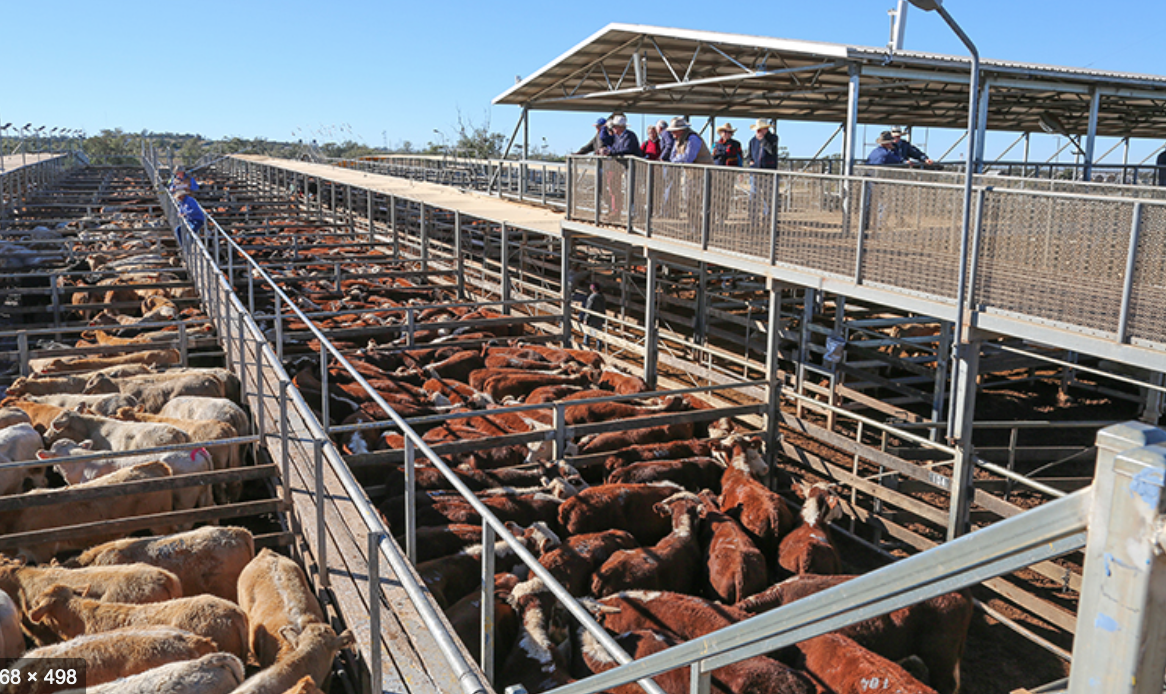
395,71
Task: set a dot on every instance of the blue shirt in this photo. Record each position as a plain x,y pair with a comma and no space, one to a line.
667,141
881,156
190,211
763,152
696,151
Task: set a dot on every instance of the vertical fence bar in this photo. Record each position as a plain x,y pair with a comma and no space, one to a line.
706,208
459,255
410,501
279,327
321,531
630,197
374,609
649,199
504,270
284,453
1127,289
487,597
325,419
860,242
773,217
598,189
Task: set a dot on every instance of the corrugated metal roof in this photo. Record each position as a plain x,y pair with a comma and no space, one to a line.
705,73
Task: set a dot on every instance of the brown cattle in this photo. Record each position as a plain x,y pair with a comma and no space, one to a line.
673,563
735,568
274,592
809,548
690,473
314,649
847,668
615,440
574,561
621,507
762,513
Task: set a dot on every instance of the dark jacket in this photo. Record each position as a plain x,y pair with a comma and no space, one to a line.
598,303
667,142
908,151
602,139
625,144
763,152
727,153
1161,161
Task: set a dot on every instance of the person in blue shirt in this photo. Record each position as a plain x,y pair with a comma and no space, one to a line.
189,209
907,151
624,142
601,139
182,180
689,147
667,140
885,154
763,147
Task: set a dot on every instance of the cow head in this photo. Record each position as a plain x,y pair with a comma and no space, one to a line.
99,384
744,453
53,609
822,502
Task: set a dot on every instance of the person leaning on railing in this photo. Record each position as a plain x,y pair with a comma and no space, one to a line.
624,142
182,181
907,151
188,209
689,147
601,139
763,146
727,151
885,154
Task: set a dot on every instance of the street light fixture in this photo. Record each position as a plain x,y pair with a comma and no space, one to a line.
959,349
2,129
23,149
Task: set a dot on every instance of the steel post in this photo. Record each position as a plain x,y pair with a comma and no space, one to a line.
967,366
410,501
651,329
1120,645
773,372
321,530
487,598
504,271
1091,134
459,254
374,610
565,284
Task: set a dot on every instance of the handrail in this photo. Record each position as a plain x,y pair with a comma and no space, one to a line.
372,519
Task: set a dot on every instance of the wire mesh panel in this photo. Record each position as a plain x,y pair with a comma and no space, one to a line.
913,237
676,202
640,174
812,226
1147,320
613,192
1057,258
740,206
583,174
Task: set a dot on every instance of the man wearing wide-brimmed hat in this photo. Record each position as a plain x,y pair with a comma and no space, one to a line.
763,147
907,151
689,147
727,151
884,154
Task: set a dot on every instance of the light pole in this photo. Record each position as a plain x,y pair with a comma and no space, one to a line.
38,131
23,149
961,398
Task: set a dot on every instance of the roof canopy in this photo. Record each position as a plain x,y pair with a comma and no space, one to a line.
645,69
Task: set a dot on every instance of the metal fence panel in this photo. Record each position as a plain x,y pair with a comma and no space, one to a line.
583,189
814,228
913,237
676,202
739,211
1147,320
613,192
1057,258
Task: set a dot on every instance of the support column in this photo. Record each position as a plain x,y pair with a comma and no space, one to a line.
651,331
504,270
700,311
1120,646
982,125
1154,399
1091,135
850,141
773,373
939,396
967,357
423,238
459,255
565,284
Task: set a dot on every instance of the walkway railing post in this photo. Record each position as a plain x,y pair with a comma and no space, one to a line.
504,270
410,501
1120,645
459,255
651,330
321,530
374,609
565,284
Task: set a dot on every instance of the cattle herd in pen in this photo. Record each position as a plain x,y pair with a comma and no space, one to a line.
666,532
183,609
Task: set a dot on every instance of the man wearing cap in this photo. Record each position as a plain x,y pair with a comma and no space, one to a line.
885,154
689,147
763,147
727,151
182,180
907,151
624,142
602,138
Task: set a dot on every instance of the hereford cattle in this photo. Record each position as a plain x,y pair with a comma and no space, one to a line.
206,560
615,440
523,509
274,592
451,578
690,473
111,655
762,513
465,616
623,384
435,541
673,563
735,568
619,506
573,563
112,434
95,511
607,411
216,673
313,650
69,615
535,661
457,367
934,630
847,668
18,443
756,675
105,405
809,548
518,383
